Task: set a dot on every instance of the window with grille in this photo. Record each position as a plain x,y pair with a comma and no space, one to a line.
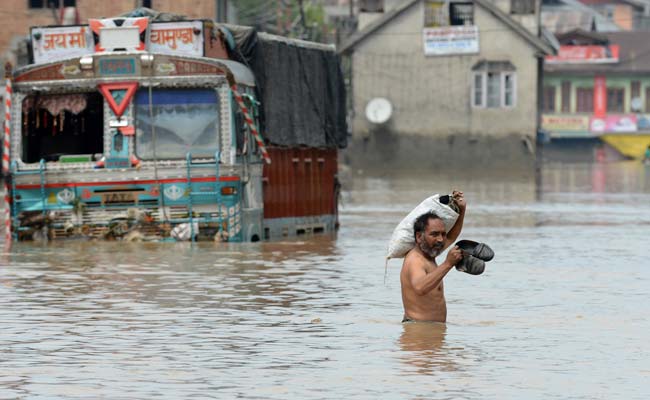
435,14
478,90
522,6
371,5
43,3
548,99
615,100
438,13
635,96
461,14
585,100
494,84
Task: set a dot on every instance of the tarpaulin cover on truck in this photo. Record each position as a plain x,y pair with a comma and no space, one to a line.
300,85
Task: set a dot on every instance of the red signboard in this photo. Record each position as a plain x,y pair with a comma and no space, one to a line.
585,55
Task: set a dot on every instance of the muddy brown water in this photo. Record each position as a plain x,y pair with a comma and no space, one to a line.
561,312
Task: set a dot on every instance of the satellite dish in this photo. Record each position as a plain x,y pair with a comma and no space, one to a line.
379,110
636,104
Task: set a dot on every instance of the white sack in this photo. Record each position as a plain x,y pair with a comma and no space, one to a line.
403,240
183,232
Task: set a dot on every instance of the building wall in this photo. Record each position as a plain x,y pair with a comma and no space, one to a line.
578,142
431,96
624,16
366,18
624,82
16,17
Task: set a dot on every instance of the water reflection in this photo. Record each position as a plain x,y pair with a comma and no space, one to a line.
422,345
267,275
622,177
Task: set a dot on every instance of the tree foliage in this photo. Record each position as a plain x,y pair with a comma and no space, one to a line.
303,19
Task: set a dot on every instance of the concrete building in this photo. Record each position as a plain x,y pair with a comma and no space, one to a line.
459,83
596,97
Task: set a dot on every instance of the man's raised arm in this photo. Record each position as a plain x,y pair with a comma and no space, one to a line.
423,282
454,232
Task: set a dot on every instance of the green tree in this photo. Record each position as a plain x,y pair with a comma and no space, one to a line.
304,19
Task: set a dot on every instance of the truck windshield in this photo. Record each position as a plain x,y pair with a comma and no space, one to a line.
177,121
62,127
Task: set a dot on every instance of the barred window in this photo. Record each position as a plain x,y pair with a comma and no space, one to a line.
371,5
615,100
438,13
461,14
585,100
548,99
522,7
435,14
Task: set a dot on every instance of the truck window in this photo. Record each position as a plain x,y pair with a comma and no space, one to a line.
177,121
55,126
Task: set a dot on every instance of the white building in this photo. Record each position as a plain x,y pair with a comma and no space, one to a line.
461,79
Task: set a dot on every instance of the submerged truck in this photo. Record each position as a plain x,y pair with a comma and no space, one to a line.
153,127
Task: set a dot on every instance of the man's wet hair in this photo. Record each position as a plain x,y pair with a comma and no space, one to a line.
422,221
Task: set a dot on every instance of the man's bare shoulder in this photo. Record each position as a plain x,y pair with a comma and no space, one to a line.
413,259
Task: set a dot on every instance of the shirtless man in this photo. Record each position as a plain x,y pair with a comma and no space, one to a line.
421,278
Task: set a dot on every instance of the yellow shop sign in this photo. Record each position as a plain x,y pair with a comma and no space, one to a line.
565,123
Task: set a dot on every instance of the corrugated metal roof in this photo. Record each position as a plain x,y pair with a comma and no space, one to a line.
572,14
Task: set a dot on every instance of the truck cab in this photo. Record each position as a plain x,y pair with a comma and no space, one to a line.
131,128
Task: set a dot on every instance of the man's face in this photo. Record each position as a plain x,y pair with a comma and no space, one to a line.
432,240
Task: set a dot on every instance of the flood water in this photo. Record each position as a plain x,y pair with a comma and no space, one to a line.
561,312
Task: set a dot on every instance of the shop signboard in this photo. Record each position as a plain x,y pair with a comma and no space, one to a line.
565,123
592,54
623,123
643,122
448,40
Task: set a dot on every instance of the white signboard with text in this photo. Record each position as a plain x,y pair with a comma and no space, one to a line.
184,38
62,42
448,40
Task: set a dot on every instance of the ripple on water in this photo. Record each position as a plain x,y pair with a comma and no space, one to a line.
558,313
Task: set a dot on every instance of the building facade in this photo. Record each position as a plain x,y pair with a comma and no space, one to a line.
596,96
459,80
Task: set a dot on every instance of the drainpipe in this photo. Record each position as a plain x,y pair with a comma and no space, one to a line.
539,137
